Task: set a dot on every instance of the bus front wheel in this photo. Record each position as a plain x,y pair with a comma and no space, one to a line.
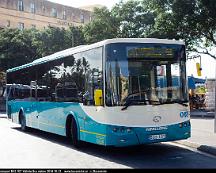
73,133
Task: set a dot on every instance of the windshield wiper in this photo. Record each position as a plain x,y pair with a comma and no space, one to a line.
131,102
183,103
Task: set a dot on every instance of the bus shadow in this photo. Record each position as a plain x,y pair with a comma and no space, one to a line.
143,156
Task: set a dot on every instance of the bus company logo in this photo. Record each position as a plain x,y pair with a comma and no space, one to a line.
156,128
157,119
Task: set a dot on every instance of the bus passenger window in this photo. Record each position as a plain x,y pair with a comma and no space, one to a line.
94,88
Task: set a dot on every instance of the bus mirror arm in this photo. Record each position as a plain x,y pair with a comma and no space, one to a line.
53,96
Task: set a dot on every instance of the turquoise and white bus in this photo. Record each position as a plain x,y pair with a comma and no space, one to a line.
117,92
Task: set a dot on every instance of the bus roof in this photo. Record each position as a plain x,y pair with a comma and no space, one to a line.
71,51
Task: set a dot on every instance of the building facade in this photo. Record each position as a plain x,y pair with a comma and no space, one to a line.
39,14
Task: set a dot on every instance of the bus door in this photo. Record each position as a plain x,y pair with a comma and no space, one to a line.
50,111
33,117
31,106
8,94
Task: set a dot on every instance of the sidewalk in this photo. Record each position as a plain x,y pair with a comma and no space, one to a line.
202,137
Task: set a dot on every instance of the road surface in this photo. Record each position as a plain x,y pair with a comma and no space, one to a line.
37,149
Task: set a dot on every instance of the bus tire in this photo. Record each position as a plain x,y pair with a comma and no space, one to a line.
22,120
73,133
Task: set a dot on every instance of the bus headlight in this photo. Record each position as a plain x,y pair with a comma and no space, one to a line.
129,130
122,129
115,129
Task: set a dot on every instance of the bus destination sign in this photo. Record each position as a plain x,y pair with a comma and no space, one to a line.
150,52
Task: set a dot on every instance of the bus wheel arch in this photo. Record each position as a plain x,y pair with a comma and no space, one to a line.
72,130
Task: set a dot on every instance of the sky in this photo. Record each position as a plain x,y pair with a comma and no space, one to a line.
208,63
79,3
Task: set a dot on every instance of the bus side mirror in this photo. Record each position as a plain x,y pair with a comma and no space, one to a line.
53,97
98,97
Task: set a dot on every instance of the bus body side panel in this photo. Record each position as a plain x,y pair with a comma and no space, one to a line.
53,115
16,106
93,131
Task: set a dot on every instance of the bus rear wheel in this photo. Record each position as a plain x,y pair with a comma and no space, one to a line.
73,133
23,122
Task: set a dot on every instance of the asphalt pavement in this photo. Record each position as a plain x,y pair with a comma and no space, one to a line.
203,136
36,149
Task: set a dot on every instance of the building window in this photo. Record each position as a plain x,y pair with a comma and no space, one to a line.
54,12
32,7
33,26
43,8
8,23
21,26
73,17
82,18
64,15
20,5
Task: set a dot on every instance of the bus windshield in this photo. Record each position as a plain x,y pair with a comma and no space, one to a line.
145,74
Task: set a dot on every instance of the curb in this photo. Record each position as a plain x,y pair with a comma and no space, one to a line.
207,149
204,148
202,114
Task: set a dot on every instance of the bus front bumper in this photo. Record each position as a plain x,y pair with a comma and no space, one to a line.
127,136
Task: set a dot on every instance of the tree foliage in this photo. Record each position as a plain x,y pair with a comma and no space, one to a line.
54,39
191,20
20,47
16,47
136,20
104,26
194,21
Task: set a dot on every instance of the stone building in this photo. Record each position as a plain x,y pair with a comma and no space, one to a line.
24,14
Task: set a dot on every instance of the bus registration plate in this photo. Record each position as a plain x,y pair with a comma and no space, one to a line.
156,137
